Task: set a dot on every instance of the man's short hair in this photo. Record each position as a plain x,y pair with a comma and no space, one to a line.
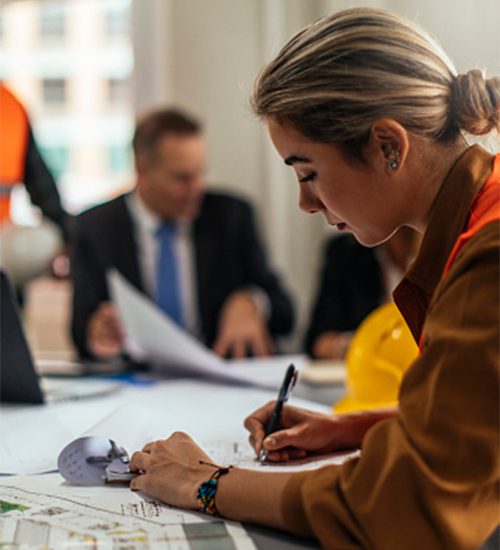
160,123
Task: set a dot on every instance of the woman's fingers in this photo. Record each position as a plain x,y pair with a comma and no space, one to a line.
255,423
140,462
148,447
257,433
286,455
139,483
291,437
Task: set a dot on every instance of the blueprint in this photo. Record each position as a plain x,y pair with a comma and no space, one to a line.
43,512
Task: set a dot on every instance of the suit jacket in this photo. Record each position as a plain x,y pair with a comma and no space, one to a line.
228,257
351,286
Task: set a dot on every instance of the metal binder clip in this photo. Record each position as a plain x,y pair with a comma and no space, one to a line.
113,453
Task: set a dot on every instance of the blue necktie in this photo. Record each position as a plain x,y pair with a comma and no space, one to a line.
168,286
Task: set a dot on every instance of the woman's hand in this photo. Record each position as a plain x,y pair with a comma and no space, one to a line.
305,432
170,470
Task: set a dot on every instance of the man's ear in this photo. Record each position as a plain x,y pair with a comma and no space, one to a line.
388,145
141,165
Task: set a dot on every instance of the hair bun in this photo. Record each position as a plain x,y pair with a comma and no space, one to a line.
475,102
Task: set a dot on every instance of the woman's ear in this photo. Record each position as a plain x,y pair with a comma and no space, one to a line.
388,145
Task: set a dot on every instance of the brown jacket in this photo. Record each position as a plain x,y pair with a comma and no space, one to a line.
430,478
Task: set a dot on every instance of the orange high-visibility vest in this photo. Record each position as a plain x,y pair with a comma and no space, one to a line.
13,143
485,209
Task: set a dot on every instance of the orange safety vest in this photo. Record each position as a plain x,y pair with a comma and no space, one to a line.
485,209
13,143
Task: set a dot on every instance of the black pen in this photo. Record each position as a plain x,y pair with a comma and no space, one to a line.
274,420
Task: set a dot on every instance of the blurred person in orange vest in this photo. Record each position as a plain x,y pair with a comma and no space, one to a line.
26,252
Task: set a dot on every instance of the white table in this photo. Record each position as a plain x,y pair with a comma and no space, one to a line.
211,413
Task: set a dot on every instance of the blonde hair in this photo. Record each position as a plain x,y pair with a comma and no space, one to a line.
338,75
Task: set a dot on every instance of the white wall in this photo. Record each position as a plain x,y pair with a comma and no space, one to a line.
205,54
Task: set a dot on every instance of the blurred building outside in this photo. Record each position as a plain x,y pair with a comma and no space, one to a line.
71,63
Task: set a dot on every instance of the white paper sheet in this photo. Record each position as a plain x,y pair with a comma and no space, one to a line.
30,440
32,437
172,349
128,426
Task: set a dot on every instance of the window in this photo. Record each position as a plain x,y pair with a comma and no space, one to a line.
117,21
118,91
54,91
119,158
56,158
75,90
52,21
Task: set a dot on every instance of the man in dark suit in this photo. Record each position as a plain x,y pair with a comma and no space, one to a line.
354,281
195,253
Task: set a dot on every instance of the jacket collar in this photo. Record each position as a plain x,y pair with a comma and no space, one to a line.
449,216
448,219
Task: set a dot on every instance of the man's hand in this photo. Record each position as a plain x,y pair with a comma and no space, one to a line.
104,332
242,329
60,263
305,432
332,345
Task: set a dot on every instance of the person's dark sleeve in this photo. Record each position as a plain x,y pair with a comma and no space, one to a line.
350,287
89,283
326,314
42,188
259,273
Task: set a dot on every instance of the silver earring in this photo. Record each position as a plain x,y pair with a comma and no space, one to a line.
394,163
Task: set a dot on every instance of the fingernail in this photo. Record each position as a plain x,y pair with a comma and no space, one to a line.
270,441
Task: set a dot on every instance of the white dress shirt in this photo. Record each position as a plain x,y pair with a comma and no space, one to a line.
146,225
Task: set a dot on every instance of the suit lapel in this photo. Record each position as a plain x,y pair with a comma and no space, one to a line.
205,257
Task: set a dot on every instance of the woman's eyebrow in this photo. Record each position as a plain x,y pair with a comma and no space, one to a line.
289,161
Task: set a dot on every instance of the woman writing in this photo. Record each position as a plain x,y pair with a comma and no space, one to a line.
368,111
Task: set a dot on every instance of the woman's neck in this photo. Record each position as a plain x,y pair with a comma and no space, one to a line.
432,163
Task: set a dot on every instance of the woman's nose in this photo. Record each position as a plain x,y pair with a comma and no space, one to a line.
308,202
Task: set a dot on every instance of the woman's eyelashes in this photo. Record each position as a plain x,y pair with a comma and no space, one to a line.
311,176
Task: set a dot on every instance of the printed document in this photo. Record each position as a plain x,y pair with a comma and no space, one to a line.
45,512
172,349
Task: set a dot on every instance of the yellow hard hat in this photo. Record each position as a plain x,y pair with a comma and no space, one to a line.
381,350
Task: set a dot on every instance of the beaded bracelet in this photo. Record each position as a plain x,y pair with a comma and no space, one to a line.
207,490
